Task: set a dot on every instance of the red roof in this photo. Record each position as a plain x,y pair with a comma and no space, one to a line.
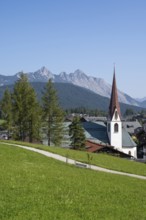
93,147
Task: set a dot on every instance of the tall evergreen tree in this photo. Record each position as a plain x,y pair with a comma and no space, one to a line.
6,107
34,117
25,110
77,135
53,115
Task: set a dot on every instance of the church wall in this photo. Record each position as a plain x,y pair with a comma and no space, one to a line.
130,151
116,137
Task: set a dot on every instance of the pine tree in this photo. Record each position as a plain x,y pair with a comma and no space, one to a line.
76,132
53,115
6,107
34,117
26,112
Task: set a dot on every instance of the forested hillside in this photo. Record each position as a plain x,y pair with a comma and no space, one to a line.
71,96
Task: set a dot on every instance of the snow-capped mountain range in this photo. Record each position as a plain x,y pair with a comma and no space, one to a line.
79,78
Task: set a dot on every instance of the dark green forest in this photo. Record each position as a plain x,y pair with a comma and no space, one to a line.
71,97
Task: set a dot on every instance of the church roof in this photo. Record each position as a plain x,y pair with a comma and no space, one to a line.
114,103
97,132
127,140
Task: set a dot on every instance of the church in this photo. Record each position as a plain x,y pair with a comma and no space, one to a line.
114,124
110,133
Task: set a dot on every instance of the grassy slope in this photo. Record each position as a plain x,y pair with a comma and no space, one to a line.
36,187
102,160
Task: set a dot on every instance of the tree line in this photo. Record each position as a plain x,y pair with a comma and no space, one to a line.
25,118
86,111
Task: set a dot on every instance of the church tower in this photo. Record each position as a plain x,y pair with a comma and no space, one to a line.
114,123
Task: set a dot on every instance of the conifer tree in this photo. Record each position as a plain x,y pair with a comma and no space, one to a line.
6,108
77,135
53,115
26,113
34,117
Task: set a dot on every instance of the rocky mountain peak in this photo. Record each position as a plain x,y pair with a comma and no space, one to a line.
78,77
44,70
63,74
79,73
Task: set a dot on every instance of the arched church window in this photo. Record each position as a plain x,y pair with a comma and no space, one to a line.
116,115
116,127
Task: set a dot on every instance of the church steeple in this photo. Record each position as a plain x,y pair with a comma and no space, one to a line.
114,123
114,103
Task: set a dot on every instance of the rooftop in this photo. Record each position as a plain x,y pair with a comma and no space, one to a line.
130,126
96,131
127,140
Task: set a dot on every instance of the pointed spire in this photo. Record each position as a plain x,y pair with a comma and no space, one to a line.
114,104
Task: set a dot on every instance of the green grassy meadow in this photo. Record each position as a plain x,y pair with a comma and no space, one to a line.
102,160
33,186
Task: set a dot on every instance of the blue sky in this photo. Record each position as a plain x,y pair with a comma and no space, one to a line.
65,35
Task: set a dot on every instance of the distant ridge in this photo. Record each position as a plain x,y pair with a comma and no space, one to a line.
72,96
79,78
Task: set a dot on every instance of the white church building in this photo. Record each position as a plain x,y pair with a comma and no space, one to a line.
110,133
114,124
